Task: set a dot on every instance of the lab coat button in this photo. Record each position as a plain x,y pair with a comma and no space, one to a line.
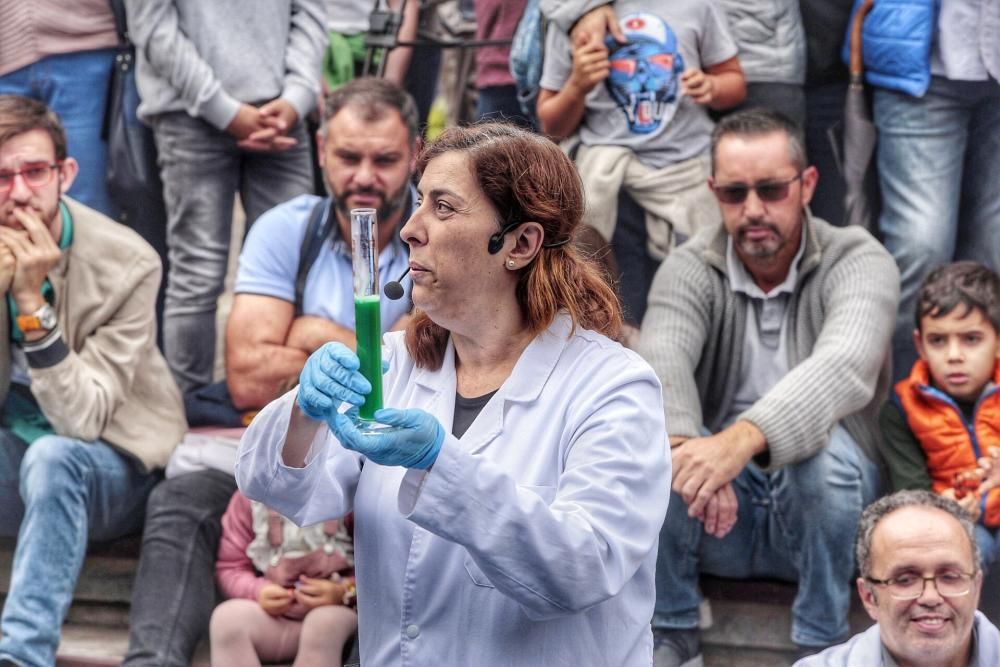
412,631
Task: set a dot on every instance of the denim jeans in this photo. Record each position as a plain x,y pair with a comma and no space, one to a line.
796,524
824,109
202,169
499,103
56,494
939,172
74,85
174,591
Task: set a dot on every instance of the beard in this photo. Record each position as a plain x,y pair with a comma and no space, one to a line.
47,214
767,248
389,204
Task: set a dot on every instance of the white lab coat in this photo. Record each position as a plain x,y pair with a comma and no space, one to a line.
531,541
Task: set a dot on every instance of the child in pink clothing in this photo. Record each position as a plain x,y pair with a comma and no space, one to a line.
291,589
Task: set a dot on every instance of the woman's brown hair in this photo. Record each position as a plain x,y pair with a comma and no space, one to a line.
527,178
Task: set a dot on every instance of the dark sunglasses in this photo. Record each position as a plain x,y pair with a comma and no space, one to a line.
770,191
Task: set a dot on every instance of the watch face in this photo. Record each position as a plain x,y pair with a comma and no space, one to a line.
47,317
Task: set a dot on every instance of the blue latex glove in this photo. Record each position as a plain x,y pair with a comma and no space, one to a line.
415,444
329,378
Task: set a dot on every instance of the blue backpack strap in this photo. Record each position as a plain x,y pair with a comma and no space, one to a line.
317,232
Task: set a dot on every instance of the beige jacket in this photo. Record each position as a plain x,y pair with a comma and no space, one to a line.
111,383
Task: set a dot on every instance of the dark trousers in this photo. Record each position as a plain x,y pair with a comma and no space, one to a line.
174,591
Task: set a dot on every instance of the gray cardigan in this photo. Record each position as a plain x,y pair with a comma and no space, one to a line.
841,319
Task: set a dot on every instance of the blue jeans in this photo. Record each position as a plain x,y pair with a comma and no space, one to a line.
796,524
174,591
56,494
202,169
75,86
988,540
939,172
499,103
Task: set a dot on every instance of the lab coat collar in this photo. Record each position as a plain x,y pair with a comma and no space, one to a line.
530,374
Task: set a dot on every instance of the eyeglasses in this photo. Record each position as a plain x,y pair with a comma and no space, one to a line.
949,584
771,191
35,174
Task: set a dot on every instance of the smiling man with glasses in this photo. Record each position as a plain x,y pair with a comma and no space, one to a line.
769,332
920,582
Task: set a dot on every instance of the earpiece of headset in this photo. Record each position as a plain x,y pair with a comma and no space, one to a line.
496,241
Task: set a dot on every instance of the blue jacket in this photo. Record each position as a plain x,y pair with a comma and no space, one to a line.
896,41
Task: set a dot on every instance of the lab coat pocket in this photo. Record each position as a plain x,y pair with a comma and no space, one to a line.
477,576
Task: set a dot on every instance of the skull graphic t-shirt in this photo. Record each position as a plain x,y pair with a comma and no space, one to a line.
640,104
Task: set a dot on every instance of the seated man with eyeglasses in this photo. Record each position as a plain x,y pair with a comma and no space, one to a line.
770,332
88,408
920,582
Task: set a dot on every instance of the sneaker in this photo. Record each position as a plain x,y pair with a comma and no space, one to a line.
677,648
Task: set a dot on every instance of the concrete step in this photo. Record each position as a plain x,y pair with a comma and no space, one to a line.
750,620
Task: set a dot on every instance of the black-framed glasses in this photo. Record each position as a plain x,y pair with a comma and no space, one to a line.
770,191
909,586
35,174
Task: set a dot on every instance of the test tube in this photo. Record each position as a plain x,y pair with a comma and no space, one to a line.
367,306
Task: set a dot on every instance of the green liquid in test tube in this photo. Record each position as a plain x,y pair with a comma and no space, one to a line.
367,307
368,328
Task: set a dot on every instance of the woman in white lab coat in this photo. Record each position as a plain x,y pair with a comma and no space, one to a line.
513,519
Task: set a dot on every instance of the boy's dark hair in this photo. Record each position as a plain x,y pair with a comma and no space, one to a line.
22,114
969,284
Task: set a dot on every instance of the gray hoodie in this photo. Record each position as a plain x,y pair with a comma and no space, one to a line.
206,58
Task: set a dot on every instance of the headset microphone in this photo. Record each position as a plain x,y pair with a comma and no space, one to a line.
393,289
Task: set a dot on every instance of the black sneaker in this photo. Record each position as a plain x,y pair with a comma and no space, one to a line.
677,648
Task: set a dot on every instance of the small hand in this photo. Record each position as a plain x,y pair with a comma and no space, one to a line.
698,86
414,445
989,468
275,599
590,64
330,377
312,593
597,23
969,502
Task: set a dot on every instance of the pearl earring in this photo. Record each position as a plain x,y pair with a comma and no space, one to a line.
510,264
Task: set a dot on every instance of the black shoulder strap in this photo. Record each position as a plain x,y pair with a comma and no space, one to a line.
317,231
121,27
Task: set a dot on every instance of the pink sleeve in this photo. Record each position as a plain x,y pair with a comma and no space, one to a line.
234,570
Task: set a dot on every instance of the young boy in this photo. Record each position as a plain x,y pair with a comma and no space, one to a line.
640,103
941,428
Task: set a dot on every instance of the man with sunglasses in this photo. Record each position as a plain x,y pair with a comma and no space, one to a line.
920,582
88,408
770,333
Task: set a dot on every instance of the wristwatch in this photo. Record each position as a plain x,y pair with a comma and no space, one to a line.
42,319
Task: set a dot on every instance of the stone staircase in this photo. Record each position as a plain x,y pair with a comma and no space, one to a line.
749,620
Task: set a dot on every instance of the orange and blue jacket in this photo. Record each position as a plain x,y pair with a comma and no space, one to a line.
951,443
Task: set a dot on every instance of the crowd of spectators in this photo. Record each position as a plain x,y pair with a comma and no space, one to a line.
807,367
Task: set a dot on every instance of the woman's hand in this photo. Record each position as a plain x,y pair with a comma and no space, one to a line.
275,599
414,444
329,378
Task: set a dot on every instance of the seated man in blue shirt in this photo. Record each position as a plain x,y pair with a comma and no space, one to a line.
367,149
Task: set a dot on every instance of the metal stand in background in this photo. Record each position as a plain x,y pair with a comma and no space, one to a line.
383,36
